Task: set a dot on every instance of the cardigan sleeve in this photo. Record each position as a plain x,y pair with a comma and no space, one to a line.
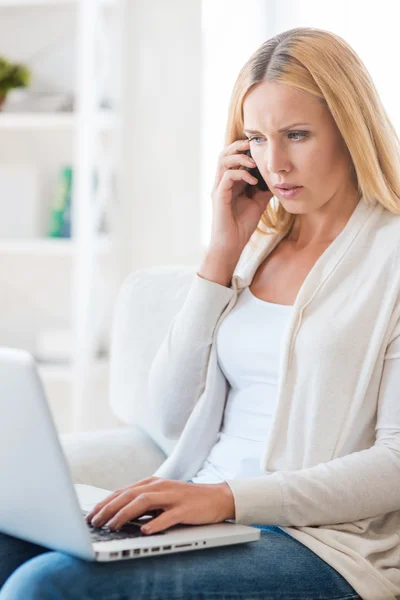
178,372
356,486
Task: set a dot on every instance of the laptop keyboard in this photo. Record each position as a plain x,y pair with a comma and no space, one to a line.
129,530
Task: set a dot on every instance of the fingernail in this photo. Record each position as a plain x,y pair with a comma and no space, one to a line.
146,528
110,524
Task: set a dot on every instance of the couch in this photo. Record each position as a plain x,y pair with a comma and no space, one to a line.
146,305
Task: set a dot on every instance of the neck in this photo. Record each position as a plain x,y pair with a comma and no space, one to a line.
322,226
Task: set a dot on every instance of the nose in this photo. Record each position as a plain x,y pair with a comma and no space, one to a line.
276,158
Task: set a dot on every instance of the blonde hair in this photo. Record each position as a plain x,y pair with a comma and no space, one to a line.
323,64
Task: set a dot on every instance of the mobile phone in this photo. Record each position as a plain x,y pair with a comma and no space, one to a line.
261,185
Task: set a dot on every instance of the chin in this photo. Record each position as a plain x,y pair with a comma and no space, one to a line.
294,207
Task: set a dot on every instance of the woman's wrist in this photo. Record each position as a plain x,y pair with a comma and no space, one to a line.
228,501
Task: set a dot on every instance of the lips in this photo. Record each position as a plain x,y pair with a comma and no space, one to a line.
289,193
287,187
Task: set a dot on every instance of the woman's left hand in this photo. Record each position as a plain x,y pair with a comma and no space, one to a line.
173,501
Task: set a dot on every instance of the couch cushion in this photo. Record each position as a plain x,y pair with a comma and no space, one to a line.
146,306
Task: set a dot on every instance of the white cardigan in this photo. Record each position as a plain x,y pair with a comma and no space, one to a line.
334,448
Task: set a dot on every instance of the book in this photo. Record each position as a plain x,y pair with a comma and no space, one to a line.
60,218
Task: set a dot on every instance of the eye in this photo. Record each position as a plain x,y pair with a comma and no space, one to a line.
302,134
254,138
298,136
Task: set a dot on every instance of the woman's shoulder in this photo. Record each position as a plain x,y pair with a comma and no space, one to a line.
388,228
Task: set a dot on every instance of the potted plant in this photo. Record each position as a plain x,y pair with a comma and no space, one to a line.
12,75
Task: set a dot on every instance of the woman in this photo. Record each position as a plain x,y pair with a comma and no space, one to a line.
280,374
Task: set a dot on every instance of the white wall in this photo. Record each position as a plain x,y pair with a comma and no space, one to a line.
183,59
371,29
231,32
162,142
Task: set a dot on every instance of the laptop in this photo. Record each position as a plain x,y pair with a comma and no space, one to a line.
38,500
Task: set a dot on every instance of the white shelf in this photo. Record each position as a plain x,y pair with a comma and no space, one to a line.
25,3
89,139
46,3
49,246
105,120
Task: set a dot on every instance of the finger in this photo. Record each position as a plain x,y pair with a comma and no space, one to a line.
236,160
95,510
141,505
114,506
145,481
106,509
235,147
229,178
142,482
232,150
109,511
167,519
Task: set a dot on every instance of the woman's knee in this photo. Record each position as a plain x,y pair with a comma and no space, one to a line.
13,553
44,577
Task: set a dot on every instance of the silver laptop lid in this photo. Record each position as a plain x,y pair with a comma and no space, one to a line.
38,502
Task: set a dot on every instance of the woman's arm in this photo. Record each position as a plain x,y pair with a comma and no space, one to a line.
178,373
360,485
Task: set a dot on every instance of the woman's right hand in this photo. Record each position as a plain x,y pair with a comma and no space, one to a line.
235,214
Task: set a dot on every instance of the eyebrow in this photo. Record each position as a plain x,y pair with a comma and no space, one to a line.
279,130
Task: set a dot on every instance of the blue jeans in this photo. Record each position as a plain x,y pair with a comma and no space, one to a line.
276,566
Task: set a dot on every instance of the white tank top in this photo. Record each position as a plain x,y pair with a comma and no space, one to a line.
248,349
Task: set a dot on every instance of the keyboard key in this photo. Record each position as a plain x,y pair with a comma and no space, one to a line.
129,530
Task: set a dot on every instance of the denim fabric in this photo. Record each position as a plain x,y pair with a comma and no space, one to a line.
277,566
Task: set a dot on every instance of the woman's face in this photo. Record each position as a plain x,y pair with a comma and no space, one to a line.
310,153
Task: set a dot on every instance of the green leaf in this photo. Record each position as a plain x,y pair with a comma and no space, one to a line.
13,75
